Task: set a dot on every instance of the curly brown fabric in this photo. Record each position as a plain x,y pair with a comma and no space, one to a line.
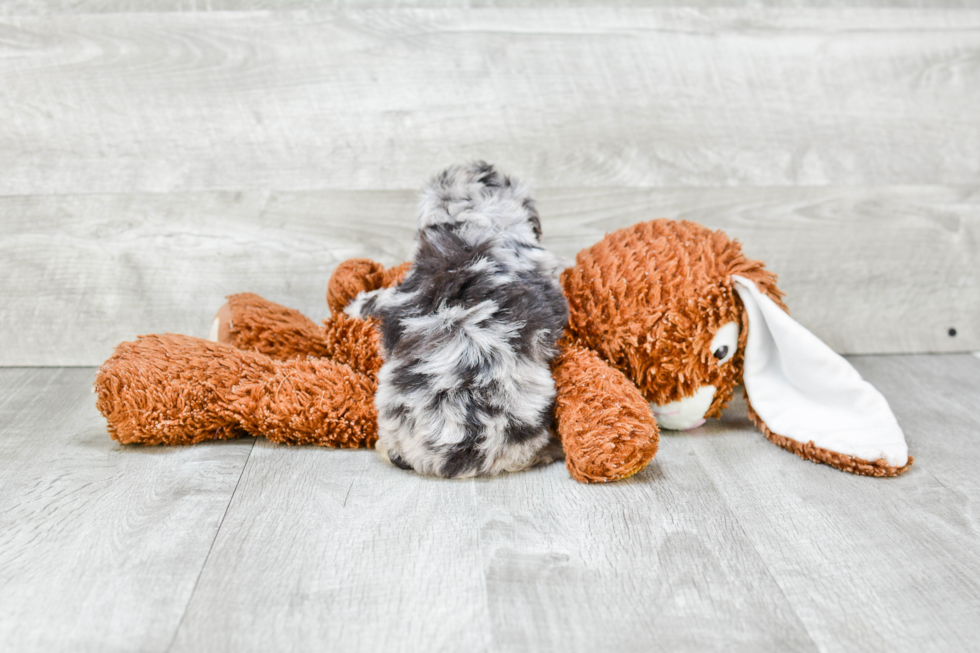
358,275
253,323
172,389
811,452
644,305
157,390
310,401
649,298
605,425
256,324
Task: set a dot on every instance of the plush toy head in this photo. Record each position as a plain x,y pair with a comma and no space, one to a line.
657,300
686,316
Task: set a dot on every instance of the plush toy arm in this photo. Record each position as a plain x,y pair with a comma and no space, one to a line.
252,323
171,389
359,275
606,426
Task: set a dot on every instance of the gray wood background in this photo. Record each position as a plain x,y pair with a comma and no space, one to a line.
157,156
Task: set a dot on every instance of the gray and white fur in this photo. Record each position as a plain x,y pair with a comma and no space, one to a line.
468,336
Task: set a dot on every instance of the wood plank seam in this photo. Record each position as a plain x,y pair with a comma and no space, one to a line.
744,532
909,258
210,548
349,488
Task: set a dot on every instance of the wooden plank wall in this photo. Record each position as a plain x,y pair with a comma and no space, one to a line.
155,160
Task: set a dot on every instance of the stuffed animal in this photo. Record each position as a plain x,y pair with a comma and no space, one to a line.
666,319
683,314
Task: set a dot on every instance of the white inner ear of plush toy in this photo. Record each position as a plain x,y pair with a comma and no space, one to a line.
803,390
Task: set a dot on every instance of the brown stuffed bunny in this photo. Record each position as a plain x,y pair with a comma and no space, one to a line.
659,312
680,311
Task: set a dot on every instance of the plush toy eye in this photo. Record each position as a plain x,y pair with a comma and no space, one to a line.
725,342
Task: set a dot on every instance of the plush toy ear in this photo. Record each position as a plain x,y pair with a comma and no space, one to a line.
812,401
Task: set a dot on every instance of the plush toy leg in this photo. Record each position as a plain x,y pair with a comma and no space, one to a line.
172,389
310,401
606,426
252,323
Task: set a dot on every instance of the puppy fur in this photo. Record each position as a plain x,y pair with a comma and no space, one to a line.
468,336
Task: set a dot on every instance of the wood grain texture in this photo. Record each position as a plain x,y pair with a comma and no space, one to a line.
571,96
950,401
864,563
724,543
159,155
866,269
330,546
155,162
100,545
51,7
326,546
85,272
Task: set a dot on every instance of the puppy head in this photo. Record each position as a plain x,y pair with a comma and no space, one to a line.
478,202
657,301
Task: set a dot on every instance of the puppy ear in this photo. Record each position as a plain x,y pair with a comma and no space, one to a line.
808,399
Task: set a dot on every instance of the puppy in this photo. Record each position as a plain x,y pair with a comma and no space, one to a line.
468,336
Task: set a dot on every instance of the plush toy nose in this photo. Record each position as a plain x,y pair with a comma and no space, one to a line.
686,413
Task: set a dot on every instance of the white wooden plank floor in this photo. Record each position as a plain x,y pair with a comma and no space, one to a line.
724,543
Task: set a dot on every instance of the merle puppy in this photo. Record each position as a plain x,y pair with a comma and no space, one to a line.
466,387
